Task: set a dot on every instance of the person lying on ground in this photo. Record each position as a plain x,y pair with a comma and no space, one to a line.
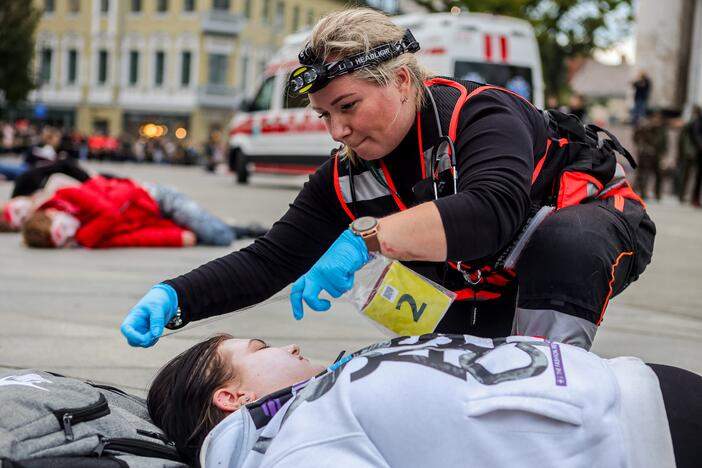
35,186
434,400
115,212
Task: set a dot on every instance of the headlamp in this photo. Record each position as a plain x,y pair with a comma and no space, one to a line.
314,74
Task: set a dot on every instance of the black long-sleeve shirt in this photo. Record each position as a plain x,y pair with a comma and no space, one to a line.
499,137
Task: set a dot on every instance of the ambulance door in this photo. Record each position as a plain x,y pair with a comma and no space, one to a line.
308,141
261,114
507,56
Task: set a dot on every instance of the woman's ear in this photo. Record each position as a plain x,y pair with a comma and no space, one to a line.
228,399
403,80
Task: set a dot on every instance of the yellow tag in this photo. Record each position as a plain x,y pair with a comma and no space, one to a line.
407,304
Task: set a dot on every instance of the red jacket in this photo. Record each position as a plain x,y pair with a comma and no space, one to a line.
116,213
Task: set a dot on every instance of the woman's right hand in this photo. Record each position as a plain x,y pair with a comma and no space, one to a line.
144,324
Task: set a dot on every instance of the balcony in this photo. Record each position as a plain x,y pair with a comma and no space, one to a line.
222,22
219,96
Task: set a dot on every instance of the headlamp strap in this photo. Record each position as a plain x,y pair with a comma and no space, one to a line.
374,56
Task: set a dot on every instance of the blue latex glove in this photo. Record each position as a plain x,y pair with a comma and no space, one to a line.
144,324
333,273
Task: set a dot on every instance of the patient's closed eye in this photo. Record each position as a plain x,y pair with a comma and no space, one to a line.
257,344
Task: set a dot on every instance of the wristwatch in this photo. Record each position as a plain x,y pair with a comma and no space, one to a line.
176,322
367,228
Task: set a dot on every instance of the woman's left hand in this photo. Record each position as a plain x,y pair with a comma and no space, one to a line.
332,273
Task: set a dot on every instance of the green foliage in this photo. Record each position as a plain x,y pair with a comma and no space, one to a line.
564,28
18,22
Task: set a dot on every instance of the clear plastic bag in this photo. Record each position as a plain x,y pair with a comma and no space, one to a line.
398,300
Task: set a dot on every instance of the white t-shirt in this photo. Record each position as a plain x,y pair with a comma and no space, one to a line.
458,401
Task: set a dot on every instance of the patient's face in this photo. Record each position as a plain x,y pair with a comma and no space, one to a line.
17,210
263,369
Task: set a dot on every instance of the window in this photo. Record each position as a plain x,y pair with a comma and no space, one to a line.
188,5
49,6
512,77
101,126
264,96
102,67
185,64
45,67
296,18
104,6
244,72
136,6
72,74
220,5
247,8
280,14
74,6
217,69
133,67
162,6
159,69
266,12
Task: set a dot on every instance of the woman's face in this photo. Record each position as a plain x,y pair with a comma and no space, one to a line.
262,369
370,119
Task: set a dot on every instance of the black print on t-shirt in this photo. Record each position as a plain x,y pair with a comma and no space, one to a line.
434,359
395,350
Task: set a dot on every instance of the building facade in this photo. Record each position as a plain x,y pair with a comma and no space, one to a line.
113,66
669,50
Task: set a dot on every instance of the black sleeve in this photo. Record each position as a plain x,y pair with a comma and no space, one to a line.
35,178
497,137
314,220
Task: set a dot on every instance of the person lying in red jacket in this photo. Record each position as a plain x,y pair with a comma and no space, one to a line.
104,212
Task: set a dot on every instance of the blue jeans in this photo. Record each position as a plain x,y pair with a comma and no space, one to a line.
12,171
186,213
638,112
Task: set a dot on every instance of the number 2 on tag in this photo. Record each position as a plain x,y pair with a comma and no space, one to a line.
416,313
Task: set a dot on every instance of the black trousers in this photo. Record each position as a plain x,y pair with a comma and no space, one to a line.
577,260
682,395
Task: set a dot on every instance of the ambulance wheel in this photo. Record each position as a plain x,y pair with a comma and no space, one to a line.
242,172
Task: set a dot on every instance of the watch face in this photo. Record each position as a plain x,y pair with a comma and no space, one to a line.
365,223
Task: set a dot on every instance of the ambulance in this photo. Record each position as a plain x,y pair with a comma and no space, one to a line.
275,132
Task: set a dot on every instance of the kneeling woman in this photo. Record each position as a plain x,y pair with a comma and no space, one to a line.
434,400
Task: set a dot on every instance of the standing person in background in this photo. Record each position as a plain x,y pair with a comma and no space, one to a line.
687,156
651,139
642,90
696,137
576,106
8,137
214,151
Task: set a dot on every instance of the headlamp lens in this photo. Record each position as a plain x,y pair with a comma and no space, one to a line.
302,79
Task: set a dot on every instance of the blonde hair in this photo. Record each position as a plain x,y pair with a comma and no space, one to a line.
357,30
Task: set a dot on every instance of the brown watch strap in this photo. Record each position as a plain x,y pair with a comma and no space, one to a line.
371,240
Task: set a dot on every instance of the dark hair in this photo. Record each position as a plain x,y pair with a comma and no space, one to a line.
37,230
180,397
7,227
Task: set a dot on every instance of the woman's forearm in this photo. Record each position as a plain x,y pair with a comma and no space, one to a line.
413,234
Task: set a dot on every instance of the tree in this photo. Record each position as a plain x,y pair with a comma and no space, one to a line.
18,22
564,28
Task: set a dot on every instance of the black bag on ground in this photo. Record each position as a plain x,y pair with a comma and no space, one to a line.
51,420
